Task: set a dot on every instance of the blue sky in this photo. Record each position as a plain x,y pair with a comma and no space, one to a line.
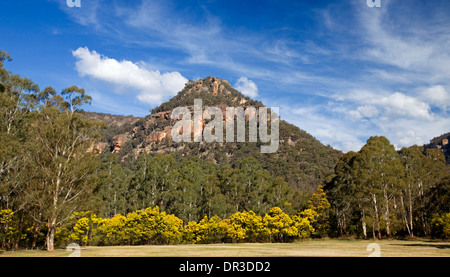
340,70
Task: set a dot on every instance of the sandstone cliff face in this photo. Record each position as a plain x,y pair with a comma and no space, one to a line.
99,147
119,141
164,115
154,129
114,136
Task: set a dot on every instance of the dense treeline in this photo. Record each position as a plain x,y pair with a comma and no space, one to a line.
190,188
389,193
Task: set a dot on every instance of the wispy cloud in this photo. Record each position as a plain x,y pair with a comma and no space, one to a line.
86,16
416,46
205,40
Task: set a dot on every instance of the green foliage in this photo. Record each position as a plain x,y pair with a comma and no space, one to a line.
321,206
389,192
190,187
18,100
441,226
112,193
46,169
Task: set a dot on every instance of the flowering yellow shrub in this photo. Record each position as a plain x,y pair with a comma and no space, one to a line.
112,230
211,230
81,228
151,226
6,216
304,223
440,226
246,226
8,227
279,226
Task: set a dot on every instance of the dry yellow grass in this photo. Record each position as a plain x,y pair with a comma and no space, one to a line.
310,248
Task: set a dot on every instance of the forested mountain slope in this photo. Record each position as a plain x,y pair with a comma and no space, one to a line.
301,160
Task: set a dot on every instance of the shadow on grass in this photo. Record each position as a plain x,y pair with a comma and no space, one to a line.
439,246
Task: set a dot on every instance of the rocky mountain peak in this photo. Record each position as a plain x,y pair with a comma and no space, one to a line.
211,85
212,90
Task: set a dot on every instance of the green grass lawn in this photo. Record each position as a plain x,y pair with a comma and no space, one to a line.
309,248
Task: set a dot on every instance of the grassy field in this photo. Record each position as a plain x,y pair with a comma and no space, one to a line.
310,248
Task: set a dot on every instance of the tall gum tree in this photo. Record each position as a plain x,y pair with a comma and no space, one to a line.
18,98
382,171
63,167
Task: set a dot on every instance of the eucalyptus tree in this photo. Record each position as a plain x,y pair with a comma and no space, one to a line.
18,98
381,171
347,196
62,169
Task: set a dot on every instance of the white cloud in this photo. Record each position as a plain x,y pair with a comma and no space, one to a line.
387,107
247,87
328,129
152,87
88,15
437,96
354,115
407,138
399,104
367,111
404,119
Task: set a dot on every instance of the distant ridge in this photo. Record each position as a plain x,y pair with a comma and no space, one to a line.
442,143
